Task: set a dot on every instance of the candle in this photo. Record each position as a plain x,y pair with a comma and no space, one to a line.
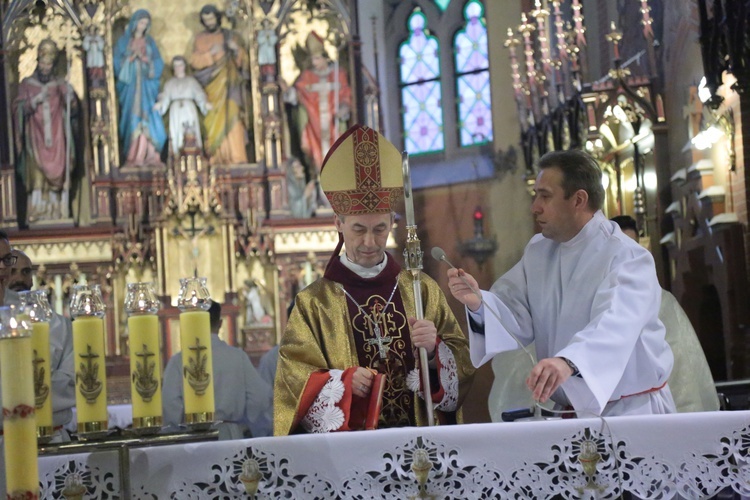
19,424
145,370
87,307
91,377
145,358
36,306
197,379
42,379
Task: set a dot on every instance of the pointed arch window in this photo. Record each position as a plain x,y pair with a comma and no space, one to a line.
421,89
473,78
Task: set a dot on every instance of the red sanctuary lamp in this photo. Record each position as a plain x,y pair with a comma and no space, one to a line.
479,248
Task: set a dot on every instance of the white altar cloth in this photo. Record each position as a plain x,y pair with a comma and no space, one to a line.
690,455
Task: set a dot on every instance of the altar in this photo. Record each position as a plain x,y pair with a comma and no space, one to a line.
666,456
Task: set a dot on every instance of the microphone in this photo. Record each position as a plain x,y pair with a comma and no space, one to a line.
439,254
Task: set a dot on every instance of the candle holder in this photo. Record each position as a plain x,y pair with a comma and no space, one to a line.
19,422
87,309
36,306
197,365
142,305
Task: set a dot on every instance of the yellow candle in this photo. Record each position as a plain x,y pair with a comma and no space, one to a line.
42,382
91,376
197,366
145,370
19,424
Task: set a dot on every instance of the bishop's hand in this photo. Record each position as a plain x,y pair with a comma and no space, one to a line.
423,334
362,381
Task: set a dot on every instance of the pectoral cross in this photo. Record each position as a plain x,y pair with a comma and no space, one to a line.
383,343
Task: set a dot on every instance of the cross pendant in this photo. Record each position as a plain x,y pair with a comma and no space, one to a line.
380,341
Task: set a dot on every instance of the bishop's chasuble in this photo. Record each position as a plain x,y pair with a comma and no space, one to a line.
329,335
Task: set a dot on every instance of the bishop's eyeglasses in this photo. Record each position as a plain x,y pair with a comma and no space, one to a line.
9,259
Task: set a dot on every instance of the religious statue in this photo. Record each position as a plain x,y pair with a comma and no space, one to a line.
182,96
267,39
44,137
302,193
255,313
93,44
138,67
323,91
220,65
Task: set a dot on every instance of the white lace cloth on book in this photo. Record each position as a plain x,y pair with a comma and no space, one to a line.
448,379
324,415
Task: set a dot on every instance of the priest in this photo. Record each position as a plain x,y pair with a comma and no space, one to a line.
347,359
585,293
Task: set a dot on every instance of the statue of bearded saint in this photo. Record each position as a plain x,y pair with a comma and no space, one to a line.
44,138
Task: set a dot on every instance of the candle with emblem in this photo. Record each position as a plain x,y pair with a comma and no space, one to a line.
87,308
36,305
142,305
19,424
195,340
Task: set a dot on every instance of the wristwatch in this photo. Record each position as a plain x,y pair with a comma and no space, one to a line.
576,371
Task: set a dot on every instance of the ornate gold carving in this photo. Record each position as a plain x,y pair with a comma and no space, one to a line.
196,373
91,386
145,383
41,390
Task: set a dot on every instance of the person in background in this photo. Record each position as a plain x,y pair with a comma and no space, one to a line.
16,276
691,382
585,293
241,397
61,347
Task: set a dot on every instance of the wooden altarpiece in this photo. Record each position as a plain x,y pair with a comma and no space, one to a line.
238,224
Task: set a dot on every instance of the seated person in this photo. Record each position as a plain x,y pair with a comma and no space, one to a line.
241,397
61,346
15,274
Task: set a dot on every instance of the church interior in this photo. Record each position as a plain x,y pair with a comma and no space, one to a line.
128,157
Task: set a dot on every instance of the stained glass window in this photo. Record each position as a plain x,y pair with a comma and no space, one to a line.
419,59
473,77
442,4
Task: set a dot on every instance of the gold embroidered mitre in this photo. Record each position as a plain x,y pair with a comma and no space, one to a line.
362,174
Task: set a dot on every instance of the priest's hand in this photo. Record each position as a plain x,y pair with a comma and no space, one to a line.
423,334
546,377
458,282
362,381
